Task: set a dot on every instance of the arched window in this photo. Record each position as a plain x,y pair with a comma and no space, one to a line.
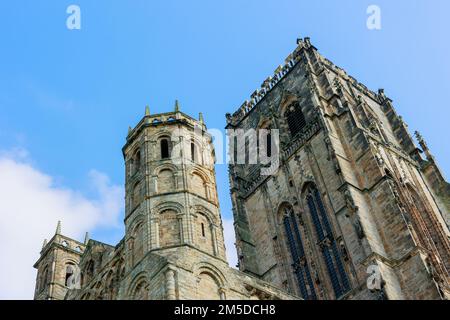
166,181
235,149
137,160
192,151
43,279
295,118
169,229
208,287
138,243
141,291
299,262
70,272
136,195
198,185
165,152
195,153
327,242
203,236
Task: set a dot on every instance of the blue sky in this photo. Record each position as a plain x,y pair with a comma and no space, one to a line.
67,97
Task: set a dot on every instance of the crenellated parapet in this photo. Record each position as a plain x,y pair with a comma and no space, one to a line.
280,72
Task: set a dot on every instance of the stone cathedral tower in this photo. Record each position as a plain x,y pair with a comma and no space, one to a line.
333,200
173,246
171,196
351,209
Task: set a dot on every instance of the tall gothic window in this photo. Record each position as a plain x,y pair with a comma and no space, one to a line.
327,243
137,160
70,269
44,278
295,118
300,264
165,154
432,234
193,153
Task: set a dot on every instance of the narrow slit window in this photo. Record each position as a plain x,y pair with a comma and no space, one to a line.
192,152
164,149
269,145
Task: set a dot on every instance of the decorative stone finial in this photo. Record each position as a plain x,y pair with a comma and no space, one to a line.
200,118
86,238
58,228
129,130
147,110
177,106
418,136
44,244
421,141
307,41
424,146
228,116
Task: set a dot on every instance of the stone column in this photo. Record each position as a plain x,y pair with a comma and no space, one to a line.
181,223
214,240
155,184
155,233
170,285
208,191
222,293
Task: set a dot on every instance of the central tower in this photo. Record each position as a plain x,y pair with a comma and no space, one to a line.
171,196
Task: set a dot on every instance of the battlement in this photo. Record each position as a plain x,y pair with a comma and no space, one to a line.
282,70
162,119
279,73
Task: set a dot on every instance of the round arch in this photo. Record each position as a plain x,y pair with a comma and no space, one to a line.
138,288
206,267
169,205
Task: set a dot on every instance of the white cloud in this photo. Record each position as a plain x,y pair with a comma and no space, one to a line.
30,206
230,240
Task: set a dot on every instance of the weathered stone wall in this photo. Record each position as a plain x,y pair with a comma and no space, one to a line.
351,193
173,247
364,163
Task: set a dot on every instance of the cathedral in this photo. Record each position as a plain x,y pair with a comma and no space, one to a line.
332,199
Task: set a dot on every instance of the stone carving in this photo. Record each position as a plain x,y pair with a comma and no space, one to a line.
358,227
349,201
